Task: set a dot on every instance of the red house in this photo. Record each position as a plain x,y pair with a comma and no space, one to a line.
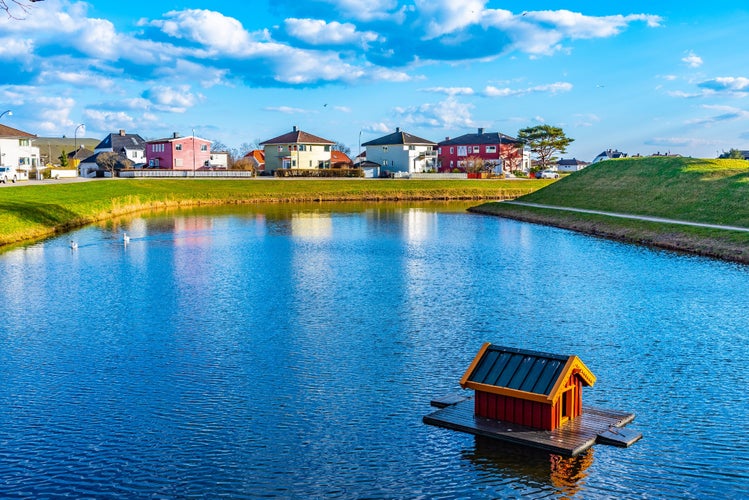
179,153
498,151
529,388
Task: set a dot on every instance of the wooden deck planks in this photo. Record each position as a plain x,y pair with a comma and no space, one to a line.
570,439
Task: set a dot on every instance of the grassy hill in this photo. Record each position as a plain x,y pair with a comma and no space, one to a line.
688,189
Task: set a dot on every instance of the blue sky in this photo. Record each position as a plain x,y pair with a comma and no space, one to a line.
641,77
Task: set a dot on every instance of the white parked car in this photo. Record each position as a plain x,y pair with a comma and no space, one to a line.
547,174
12,174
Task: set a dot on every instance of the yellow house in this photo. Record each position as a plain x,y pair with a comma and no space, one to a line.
297,149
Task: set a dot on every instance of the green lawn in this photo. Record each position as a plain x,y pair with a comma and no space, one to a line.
33,211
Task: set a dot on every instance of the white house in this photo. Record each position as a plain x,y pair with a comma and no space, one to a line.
572,165
402,152
131,146
16,149
219,159
609,154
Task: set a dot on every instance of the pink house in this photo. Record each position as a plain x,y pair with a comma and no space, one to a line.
178,153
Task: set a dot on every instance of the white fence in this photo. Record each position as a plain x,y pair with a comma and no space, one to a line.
198,174
440,176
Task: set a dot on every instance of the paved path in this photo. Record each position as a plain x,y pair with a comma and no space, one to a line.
628,216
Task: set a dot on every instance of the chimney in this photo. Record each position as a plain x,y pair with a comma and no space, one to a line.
294,129
175,135
397,129
447,138
481,130
122,133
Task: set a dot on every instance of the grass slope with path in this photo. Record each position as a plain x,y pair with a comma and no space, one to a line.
30,212
685,189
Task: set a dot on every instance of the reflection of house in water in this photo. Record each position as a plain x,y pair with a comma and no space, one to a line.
419,225
192,230
530,466
313,226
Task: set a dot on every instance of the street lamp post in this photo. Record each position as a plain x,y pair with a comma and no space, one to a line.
75,137
6,112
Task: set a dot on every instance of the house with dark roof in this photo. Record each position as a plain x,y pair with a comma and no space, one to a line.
570,165
609,154
498,151
296,149
131,146
17,149
402,152
530,388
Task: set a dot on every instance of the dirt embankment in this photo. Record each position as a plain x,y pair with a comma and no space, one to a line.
724,245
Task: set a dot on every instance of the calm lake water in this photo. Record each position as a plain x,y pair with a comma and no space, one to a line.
292,351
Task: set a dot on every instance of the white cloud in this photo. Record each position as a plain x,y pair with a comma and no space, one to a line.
577,25
288,110
15,48
108,120
379,127
451,91
319,32
692,60
551,88
211,29
77,78
738,84
449,113
447,16
172,99
725,113
369,10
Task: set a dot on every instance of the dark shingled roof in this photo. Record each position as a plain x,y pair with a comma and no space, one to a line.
399,137
297,137
518,369
482,138
120,141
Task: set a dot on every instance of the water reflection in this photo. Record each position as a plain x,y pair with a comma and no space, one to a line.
532,468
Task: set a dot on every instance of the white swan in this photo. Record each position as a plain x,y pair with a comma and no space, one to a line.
125,238
73,245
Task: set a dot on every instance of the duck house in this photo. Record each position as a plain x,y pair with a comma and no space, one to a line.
533,399
530,388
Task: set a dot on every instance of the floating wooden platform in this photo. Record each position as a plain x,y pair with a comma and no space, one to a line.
571,439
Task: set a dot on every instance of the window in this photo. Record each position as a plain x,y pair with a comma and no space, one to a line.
439,151
280,149
24,142
476,149
412,148
178,147
204,147
452,150
293,163
327,147
384,163
491,149
302,147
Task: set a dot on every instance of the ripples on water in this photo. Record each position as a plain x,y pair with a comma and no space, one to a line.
265,354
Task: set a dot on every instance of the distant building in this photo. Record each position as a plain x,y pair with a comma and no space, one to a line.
572,165
179,153
499,152
402,152
16,149
130,146
219,159
297,149
339,159
257,158
609,154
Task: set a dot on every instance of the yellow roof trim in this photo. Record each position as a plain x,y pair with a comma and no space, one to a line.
573,363
503,391
475,362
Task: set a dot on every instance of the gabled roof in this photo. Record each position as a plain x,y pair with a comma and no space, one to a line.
339,157
297,137
399,137
257,154
573,161
80,154
612,153
118,142
523,374
479,138
13,133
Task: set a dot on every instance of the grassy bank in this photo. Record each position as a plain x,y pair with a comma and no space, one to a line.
708,191
34,211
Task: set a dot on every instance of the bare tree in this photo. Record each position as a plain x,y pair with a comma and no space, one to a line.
13,7
113,161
